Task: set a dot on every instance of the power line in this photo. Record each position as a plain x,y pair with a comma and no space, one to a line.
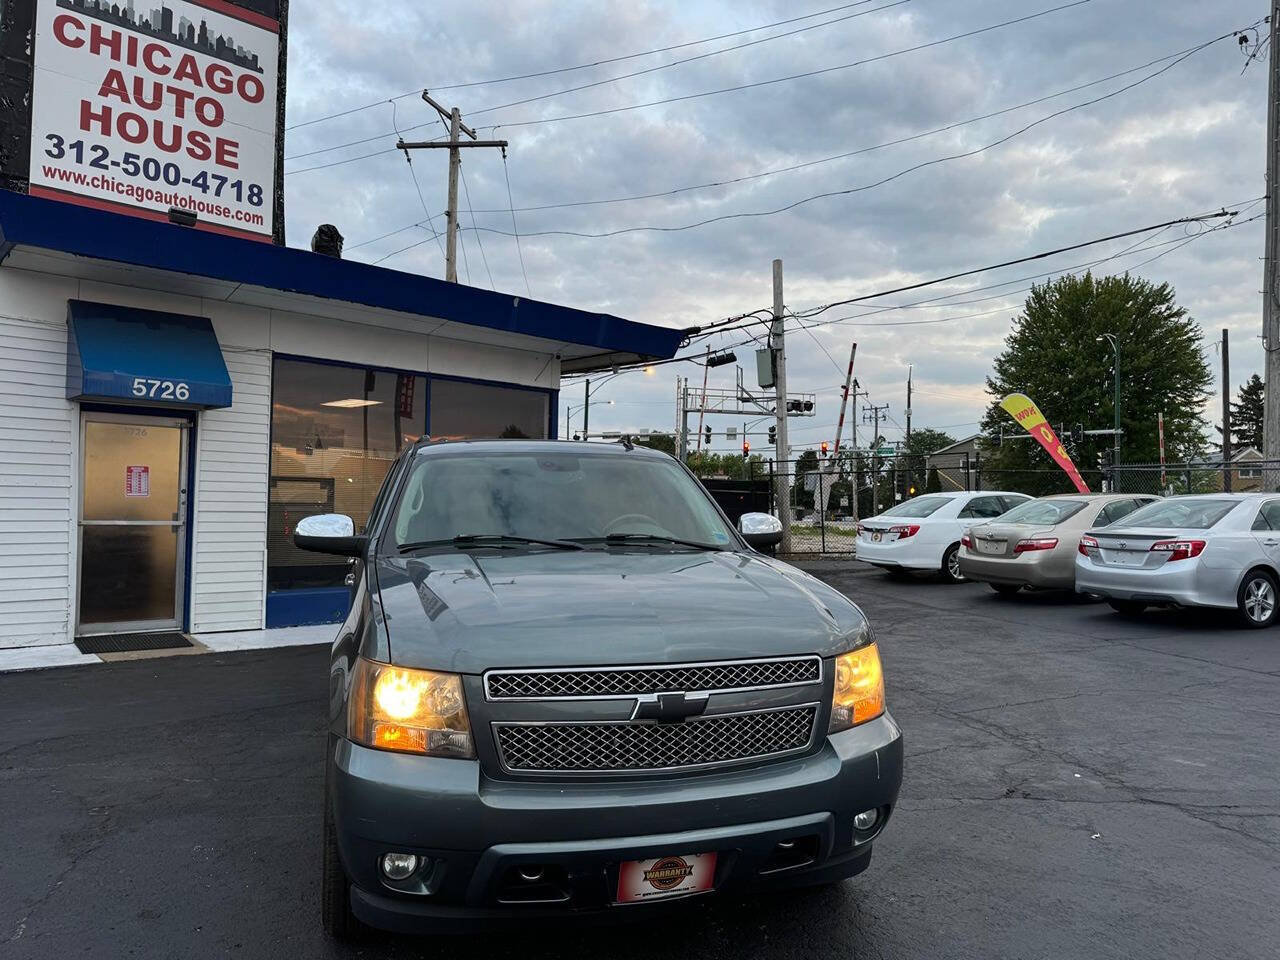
739,87
797,76
515,229
467,193
581,66
830,194
677,63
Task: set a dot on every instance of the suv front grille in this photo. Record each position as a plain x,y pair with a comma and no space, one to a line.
632,681
637,746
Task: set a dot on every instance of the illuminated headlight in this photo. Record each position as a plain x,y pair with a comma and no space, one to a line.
859,689
412,711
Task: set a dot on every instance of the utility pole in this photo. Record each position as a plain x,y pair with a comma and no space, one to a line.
682,418
454,146
702,407
1270,304
874,412
777,342
586,410
908,442
1226,414
844,402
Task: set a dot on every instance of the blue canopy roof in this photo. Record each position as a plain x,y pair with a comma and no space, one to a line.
43,224
163,359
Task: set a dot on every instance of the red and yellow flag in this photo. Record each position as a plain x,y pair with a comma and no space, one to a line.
1023,409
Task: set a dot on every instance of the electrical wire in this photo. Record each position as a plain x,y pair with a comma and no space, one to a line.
466,192
678,63
581,66
417,186
739,87
831,194
515,229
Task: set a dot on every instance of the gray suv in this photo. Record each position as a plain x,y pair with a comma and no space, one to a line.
568,685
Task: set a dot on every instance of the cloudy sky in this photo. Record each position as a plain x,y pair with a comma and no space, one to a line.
1187,140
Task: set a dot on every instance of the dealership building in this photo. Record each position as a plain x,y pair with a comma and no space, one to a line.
174,400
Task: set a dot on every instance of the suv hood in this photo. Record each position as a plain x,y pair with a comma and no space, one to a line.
470,612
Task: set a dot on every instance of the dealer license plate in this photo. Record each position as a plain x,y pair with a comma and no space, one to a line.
991,546
640,880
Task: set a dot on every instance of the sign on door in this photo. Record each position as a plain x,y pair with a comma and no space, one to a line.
137,481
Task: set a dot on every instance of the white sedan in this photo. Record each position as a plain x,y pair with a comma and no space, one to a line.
924,533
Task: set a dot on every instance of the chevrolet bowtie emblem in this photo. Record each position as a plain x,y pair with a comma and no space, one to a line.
669,707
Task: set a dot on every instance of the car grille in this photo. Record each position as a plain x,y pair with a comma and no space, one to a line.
637,746
632,681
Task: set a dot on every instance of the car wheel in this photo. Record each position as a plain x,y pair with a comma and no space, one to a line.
1128,608
335,891
1257,600
951,565
1005,589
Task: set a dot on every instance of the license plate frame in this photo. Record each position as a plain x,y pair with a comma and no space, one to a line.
992,547
665,878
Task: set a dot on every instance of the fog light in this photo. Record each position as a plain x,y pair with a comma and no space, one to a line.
866,819
399,866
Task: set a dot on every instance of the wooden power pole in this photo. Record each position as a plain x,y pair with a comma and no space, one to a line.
454,145
1270,289
777,342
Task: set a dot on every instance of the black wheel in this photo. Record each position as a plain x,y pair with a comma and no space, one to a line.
335,891
1257,600
1005,589
951,565
1128,608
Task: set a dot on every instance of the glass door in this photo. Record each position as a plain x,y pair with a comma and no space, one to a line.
133,515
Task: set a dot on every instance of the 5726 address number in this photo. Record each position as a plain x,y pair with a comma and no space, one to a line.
160,389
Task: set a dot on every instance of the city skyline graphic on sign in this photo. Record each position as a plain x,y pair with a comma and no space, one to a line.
159,23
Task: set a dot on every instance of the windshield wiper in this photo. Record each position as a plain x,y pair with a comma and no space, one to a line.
490,540
656,538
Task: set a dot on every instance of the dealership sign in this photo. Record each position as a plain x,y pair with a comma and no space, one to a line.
142,106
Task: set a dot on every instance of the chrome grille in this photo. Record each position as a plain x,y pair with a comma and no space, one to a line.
627,746
631,681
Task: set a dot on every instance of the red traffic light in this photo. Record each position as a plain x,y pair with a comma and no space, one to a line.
746,447
824,448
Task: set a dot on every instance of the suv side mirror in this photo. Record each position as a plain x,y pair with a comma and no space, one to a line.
762,531
329,533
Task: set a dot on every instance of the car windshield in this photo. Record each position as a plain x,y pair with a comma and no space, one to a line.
1043,511
554,496
1193,513
919,507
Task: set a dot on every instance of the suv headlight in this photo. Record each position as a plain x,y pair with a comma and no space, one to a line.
412,711
859,689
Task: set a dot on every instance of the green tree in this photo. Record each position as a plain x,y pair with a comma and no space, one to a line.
925,441
1246,414
1054,356
665,442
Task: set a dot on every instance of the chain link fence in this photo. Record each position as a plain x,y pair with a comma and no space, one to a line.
828,498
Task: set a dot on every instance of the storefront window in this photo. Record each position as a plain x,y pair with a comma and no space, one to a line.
462,410
335,431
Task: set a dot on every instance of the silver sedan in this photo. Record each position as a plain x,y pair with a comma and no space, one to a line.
1213,550
1034,544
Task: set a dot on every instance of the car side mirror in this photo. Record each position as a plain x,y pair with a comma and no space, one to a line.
762,531
333,533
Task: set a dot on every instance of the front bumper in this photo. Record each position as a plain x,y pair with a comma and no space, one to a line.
477,831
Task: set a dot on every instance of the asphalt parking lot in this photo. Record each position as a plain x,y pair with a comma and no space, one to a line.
1077,785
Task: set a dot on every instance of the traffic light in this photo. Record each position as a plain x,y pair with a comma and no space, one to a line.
824,448
911,490
1077,434
707,435
746,447
773,435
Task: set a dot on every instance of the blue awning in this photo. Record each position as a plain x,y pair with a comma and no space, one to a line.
143,356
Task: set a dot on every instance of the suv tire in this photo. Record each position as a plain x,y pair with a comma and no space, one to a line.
335,891
1258,600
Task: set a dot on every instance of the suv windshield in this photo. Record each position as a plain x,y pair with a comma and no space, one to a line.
919,507
1195,513
552,495
1043,511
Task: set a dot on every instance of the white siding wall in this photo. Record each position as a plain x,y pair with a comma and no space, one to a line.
38,438
228,572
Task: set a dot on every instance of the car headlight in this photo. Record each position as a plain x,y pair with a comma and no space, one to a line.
412,711
859,689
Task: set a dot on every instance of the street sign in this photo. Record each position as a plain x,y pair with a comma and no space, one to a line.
886,452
